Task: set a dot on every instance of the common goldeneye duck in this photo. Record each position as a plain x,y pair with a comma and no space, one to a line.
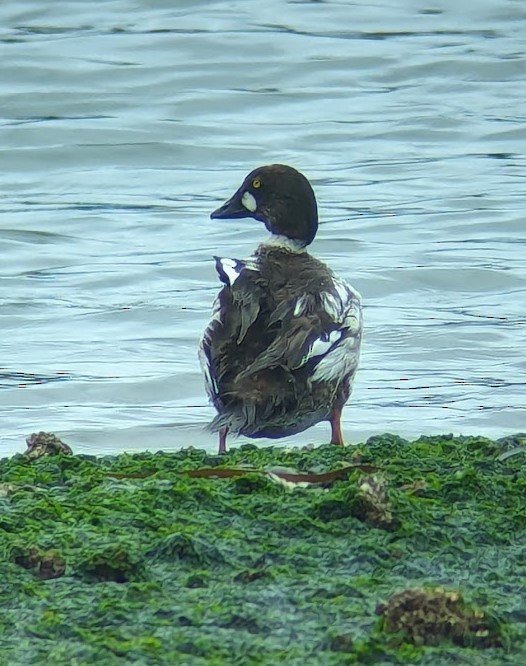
282,348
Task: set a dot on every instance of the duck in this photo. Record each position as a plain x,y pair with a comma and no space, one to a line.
281,351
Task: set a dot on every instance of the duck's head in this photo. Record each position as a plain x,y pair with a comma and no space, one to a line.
281,198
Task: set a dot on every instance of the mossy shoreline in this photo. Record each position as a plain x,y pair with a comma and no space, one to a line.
132,560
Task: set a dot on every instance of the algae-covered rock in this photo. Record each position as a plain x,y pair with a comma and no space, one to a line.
372,505
427,616
191,550
177,558
45,444
365,498
251,483
45,565
113,563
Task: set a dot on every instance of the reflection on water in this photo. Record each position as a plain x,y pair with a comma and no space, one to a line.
124,125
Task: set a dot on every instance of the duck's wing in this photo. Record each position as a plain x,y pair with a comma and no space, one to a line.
322,330
245,290
235,309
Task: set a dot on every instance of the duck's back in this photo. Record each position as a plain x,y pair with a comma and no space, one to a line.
283,344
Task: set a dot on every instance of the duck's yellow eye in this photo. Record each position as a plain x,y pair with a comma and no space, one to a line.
256,183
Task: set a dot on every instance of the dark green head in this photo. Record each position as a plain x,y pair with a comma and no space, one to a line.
280,197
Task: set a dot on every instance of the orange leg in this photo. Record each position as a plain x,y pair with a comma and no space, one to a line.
336,429
222,440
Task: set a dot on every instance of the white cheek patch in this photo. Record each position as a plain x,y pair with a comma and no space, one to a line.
249,202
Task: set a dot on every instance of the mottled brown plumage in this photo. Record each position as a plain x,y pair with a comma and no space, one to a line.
282,348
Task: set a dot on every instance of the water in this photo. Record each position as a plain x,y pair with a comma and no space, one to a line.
125,123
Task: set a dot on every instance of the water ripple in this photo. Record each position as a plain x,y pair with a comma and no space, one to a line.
125,125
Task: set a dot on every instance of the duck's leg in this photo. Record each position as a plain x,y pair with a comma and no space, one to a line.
222,440
336,429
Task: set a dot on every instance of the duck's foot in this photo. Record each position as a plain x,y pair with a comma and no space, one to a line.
222,440
336,429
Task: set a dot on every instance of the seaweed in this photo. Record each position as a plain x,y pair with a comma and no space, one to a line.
391,552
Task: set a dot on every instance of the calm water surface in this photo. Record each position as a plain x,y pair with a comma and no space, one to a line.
124,123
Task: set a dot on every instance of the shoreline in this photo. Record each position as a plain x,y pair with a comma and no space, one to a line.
290,555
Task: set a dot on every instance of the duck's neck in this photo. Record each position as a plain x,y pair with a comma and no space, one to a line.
285,243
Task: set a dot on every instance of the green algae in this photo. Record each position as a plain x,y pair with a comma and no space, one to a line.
130,560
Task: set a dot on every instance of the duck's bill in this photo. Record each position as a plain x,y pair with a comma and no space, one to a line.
231,209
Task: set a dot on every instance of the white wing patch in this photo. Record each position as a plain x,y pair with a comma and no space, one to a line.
332,305
322,345
341,355
340,362
229,269
300,306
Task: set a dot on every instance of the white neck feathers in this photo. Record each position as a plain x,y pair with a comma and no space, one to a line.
285,243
